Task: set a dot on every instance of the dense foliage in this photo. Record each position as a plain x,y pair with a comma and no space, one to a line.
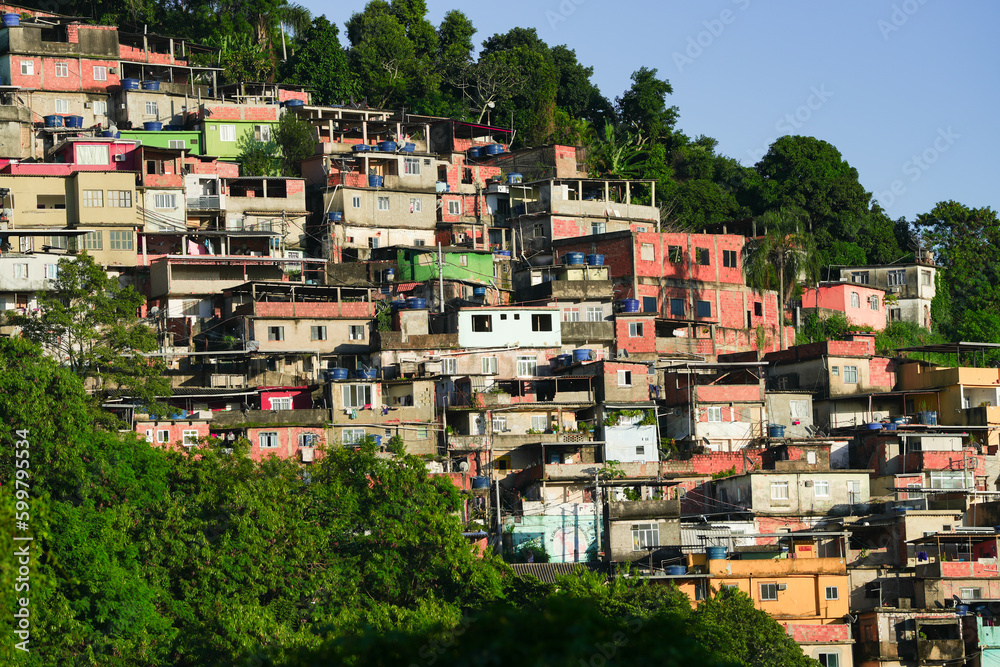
149,557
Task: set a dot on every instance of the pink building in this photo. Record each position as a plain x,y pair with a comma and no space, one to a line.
862,304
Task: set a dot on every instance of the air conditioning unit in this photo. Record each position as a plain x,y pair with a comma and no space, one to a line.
119,158
88,105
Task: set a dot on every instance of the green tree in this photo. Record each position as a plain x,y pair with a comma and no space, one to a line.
89,322
321,63
775,260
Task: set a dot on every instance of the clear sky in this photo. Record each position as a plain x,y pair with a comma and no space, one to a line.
907,90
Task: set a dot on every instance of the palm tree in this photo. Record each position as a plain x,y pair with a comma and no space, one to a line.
781,257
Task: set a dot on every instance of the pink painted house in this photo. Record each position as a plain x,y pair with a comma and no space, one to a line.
863,305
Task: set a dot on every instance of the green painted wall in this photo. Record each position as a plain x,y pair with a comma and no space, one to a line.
214,145
416,266
192,139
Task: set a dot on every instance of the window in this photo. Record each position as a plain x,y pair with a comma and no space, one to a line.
164,201
832,593
715,414
779,490
768,591
411,166
357,395
873,302
262,133
100,108
317,333
153,110
93,241
449,366
821,489
704,308
855,300
499,423
729,258
526,366
27,68
62,69
829,659
176,143
163,436
971,594
595,314
624,378
353,436
356,202
489,365
482,323
635,329
645,535
677,307
308,439
454,208
276,333
598,227
701,254
51,271
897,277
62,106
281,403
647,252
541,322
121,240
268,440
226,132
571,315
21,271
100,73
354,332
120,198
675,254
859,277
835,370
189,438
850,374
414,205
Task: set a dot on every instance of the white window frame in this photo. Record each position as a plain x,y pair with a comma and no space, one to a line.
267,439
821,488
527,366
354,396
714,414
779,490
62,70
624,378
227,133
490,365
769,592
645,535
281,403
100,73
189,437
151,108
27,68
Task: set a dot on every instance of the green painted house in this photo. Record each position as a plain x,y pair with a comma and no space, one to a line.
418,264
190,140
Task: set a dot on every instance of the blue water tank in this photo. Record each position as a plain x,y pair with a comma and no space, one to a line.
494,149
595,260
335,216
574,258
716,553
375,181
72,121
478,291
53,121
361,148
150,84
415,303
387,146
475,152
130,84
11,20
480,482
582,354
514,178
152,126
630,305
776,430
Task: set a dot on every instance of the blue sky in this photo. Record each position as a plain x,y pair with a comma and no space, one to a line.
907,90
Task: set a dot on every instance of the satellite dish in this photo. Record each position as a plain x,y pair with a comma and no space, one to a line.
463,466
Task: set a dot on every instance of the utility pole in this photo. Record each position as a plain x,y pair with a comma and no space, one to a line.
440,280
